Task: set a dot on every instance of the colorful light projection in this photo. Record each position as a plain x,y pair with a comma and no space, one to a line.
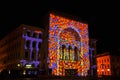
68,46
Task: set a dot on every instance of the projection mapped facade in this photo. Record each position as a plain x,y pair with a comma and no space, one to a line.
68,46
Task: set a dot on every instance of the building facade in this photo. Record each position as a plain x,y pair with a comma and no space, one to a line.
21,48
108,64
92,57
62,48
67,46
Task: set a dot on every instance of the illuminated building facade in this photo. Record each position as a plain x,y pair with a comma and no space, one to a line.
92,56
68,50
21,48
108,64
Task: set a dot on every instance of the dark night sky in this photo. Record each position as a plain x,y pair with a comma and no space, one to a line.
102,18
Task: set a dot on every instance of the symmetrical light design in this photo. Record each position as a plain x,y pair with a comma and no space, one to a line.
68,46
31,46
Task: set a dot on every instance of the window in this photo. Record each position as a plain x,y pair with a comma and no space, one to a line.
104,60
34,44
39,45
34,35
107,60
92,44
63,50
99,61
26,54
76,54
93,53
105,66
102,73
27,43
69,52
108,66
40,35
28,33
33,55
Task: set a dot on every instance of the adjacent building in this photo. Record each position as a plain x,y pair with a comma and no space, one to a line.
92,57
21,49
108,64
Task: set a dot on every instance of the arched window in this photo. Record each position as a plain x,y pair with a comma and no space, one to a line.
75,54
63,52
69,52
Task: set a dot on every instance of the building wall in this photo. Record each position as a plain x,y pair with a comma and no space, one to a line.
108,64
2,61
103,65
115,65
68,46
9,47
17,51
92,57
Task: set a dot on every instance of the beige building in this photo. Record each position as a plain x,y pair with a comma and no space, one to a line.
21,48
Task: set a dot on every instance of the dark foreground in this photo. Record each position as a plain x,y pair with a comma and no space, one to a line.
60,78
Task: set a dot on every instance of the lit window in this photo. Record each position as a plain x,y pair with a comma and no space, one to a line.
18,65
108,69
24,72
63,51
28,66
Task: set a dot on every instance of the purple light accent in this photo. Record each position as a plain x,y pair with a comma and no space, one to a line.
31,39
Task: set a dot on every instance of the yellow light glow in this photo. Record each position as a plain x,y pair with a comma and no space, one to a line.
24,72
97,70
28,66
9,71
108,69
18,65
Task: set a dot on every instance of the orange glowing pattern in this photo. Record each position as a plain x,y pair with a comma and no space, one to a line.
103,65
68,46
38,31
